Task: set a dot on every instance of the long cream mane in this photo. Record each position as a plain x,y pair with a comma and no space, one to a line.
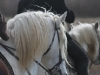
30,32
85,33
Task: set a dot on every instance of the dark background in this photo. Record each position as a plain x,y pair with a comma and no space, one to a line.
81,8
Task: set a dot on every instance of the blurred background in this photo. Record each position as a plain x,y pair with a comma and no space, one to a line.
85,11
8,7
81,8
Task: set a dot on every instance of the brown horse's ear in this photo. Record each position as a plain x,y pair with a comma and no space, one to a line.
2,20
3,33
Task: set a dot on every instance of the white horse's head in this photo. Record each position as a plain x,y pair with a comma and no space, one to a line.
39,36
87,35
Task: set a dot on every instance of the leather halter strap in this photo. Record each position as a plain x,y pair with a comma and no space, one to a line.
56,29
55,70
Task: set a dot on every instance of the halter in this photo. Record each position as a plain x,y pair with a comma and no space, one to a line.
56,69
53,71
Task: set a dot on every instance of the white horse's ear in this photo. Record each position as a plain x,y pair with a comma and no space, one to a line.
96,25
63,17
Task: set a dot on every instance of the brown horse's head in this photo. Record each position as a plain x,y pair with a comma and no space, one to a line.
3,33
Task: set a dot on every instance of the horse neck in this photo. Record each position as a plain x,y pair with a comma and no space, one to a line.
14,63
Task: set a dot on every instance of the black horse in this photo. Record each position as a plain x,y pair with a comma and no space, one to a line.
56,6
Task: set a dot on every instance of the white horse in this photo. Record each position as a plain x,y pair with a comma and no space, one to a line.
88,37
36,36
